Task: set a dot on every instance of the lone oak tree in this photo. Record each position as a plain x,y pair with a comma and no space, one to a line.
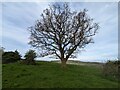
62,32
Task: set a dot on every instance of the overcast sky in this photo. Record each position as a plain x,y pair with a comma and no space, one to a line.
17,17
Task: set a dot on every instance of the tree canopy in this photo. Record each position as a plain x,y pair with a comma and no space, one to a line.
10,57
62,32
29,57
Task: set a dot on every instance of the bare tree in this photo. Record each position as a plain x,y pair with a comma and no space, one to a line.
62,32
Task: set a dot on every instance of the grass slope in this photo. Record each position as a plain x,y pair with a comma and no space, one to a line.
51,75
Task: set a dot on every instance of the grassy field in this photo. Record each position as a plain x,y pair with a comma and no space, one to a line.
51,75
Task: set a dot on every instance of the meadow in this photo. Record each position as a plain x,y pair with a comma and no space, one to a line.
51,75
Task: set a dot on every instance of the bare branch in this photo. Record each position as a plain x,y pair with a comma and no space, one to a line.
63,31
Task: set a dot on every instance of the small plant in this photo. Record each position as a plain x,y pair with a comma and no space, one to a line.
29,57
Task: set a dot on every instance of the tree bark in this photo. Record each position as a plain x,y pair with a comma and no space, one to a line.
63,62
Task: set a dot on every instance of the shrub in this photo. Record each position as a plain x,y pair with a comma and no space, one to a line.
17,55
111,68
10,57
29,57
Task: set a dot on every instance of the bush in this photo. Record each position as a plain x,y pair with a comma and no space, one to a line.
29,57
17,55
10,57
111,68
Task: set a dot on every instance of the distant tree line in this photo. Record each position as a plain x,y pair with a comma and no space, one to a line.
10,56
14,56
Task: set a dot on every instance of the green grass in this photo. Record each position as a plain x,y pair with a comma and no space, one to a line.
51,75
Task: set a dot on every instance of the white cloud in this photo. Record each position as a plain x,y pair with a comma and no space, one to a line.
15,33
60,0
18,17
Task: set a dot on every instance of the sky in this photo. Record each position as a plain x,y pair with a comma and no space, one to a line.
18,16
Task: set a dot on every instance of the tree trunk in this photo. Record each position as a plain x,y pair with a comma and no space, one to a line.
63,62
